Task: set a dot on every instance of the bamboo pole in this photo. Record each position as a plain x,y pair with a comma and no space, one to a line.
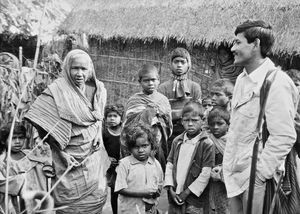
37,50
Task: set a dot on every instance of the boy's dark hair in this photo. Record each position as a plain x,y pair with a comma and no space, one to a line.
257,29
145,69
118,108
4,133
193,106
225,85
134,132
218,111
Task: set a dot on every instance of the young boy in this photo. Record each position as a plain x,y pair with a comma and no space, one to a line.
218,121
189,165
179,89
151,108
139,176
111,139
221,93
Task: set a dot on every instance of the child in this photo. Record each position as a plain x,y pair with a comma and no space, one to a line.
179,89
221,93
111,139
25,166
207,104
150,108
139,176
218,121
189,165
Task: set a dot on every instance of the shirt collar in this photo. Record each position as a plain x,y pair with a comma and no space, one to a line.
134,161
193,141
258,75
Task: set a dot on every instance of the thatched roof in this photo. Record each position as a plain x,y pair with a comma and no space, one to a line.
190,21
22,16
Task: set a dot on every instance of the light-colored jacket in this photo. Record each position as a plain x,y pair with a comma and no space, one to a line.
280,112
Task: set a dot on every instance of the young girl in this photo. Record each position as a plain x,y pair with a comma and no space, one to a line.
218,121
139,176
111,140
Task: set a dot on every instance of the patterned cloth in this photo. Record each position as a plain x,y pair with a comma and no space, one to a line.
77,123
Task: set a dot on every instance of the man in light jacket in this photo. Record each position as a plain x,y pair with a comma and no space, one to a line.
253,41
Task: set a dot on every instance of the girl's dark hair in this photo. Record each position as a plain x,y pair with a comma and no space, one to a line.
257,29
118,108
193,106
4,133
220,112
134,132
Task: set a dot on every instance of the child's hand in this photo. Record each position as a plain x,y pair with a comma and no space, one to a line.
151,193
184,194
175,197
216,173
113,162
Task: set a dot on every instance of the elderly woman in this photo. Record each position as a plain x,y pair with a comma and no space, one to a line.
71,110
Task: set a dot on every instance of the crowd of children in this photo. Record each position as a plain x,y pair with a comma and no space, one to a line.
136,137
191,173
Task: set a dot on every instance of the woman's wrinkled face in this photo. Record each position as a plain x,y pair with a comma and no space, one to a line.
80,70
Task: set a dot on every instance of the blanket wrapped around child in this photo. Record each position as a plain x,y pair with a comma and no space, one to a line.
153,110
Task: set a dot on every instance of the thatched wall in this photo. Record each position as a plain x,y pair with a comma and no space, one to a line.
189,21
117,64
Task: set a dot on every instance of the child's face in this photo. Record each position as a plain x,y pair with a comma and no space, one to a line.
113,119
149,82
218,127
17,142
80,70
207,104
179,66
192,123
219,98
142,149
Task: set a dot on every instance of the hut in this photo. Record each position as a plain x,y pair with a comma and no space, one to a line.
123,34
20,23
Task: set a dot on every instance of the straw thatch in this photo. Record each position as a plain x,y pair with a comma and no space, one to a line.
190,21
23,16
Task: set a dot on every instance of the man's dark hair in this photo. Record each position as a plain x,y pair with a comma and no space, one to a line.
257,29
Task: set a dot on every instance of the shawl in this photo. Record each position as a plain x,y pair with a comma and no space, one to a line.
220,143
63,106
154,111
180,86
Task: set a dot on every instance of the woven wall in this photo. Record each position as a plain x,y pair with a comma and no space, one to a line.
117,64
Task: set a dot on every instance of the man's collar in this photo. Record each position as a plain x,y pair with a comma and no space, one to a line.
258,75
134,161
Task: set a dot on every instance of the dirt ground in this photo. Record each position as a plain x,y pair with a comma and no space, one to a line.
163,204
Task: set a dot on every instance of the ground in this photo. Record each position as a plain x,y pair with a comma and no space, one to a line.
163,204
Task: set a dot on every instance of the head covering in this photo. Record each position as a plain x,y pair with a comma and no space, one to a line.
180,86
182,52
68,63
